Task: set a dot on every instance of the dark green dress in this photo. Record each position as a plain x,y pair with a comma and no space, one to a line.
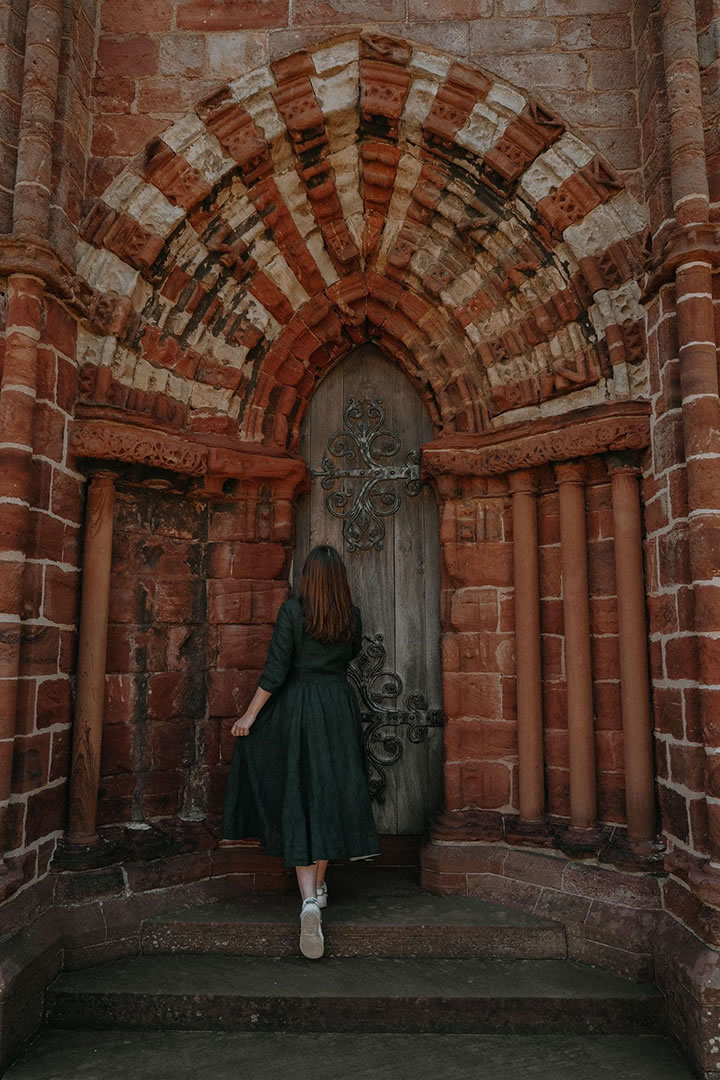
298,780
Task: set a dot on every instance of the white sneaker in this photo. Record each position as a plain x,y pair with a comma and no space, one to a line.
312,943
322,894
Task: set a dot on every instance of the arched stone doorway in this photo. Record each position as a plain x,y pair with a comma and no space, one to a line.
371,190
361,440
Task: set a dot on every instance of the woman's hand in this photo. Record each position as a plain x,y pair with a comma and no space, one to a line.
243,724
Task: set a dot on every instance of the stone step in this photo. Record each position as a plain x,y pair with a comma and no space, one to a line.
383,913
186,1055
360,994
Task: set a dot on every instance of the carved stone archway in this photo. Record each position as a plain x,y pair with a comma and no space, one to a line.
364,189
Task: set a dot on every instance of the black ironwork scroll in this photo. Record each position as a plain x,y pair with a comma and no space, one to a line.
383,721
359,447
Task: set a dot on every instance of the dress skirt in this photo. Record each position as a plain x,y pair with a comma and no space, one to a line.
298,780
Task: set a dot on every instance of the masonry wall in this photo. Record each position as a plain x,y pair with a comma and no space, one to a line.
156,59
49,577
597,63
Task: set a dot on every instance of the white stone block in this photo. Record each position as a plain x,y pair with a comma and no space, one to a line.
336,55
430,63
281,274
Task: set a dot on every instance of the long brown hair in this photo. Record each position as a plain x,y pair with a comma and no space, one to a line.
325,595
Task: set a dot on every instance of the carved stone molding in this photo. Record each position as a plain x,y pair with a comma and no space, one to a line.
699,242
104,312
121,442
216,458
598,430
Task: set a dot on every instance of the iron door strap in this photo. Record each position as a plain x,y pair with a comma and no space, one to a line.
383,721
358,447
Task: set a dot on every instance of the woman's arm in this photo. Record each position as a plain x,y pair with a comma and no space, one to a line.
248,718
277,664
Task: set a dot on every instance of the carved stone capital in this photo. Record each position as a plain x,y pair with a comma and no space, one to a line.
523,481
137,446
587,432
691,243
570,472
215,458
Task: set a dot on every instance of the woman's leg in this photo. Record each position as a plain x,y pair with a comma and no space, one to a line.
321,870
307,879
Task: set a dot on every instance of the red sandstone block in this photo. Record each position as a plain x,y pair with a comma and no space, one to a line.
130,599
663,613
113,94
66,386
480,740
552,656
601,568
49,430
172,744
605,657
66,498
30,762
54,702
116,755
136,16
39,650
179,601
168,695
267,561
486,785
163,793
687,767
473,609
681,658
132,54
551,615
61,595
699,825
46,812
507,891
555,741
479,564
550,574
231,14
668,711
120,699
60,329
674,813
243,646
121,136
115,799
536,868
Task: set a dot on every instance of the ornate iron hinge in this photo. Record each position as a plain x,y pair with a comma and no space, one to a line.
377,684
364,439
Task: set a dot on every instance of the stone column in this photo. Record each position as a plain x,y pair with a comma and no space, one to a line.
570,478
634,674
526,575
92,650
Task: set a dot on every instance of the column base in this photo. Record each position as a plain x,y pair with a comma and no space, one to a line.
468,825
705,883
581,843
73,856
530,833
626,854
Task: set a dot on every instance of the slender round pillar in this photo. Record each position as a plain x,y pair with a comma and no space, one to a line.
92,651
634,673
570,478
526,574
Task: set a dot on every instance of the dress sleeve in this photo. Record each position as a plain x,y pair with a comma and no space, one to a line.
280,652
357,634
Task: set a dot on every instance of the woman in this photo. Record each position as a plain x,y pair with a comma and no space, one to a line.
297,778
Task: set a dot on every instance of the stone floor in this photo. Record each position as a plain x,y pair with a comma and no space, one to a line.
412,987
117,1055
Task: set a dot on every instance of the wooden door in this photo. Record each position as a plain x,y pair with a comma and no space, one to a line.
361,440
